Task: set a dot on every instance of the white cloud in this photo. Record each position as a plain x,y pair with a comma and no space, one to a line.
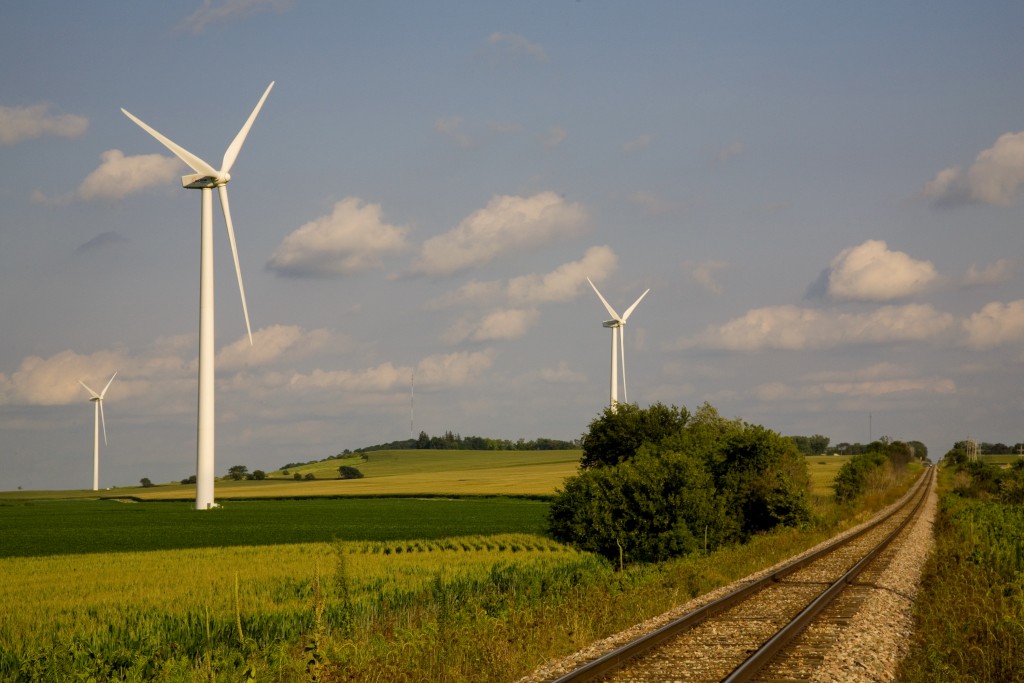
518,44
520,297
562,374
506,323
553,137
507,223
639,143
652,203
871,272
453,369
733,150
703,273
994,273
383,377
995,324
995,176
352,239
274,344
451,127
119,176
794,329
26,123
213,11
565,282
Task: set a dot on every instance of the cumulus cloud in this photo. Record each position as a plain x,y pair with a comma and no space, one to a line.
453,369
562,374
995,324
275,344
213,11
553,137
733,150
451,127
871,272
995,176
119,176
992,274
507,223
26,123
794,329
565,282
352,239
652,203
517,44
795,391
703,273
517,301
639,143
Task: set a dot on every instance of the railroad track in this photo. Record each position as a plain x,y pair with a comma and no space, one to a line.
760,630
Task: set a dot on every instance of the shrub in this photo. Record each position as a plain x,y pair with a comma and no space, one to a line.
349,472
852,478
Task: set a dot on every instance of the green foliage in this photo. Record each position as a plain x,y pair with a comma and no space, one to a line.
617,434
238,472
852,479
811,445
680,485
349,472
971,606
70,527
146,482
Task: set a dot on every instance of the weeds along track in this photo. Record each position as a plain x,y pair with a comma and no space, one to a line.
760,630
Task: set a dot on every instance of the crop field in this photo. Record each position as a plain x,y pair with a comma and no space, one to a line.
96,526
426,587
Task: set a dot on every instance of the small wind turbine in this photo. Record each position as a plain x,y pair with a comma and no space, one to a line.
205,178
98,420
617,323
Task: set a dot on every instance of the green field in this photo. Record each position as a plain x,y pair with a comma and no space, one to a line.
334,580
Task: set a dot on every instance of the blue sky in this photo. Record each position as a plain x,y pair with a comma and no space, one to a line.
823,198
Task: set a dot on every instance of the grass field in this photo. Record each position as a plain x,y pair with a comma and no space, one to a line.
445,584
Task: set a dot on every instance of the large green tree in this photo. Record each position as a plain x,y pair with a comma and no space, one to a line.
678,483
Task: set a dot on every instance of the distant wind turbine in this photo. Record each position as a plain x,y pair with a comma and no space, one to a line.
205,178
98,420
617,323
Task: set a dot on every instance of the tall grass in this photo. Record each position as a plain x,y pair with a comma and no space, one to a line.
970,611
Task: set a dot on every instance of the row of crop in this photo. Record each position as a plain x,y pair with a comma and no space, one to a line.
507,542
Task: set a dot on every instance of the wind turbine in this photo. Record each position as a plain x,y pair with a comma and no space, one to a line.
98,420
205,178
617,323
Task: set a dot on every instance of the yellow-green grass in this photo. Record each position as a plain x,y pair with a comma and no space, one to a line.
823,470
410,472
400,472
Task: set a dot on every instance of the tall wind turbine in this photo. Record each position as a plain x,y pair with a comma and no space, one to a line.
97,421
617,323
205,178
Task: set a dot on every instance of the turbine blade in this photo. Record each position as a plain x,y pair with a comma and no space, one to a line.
611,311
236,145
104,392
622,353
93,393
103,422
629,310
234,253
194,162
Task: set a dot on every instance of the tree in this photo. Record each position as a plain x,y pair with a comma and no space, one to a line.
309,476
237,472
349,472
258,475
146,483
616,434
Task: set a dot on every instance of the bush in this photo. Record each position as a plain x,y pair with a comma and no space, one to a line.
708,482
852,478
349,472
617,434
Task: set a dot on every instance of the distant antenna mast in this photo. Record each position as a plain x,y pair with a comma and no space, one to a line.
412,405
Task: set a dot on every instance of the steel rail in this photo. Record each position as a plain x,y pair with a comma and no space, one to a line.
618,657
787,634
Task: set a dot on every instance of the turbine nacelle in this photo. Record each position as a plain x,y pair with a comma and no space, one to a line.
200,181
612,323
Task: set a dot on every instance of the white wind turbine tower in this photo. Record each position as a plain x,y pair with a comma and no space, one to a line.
97,421
205,178
617,323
